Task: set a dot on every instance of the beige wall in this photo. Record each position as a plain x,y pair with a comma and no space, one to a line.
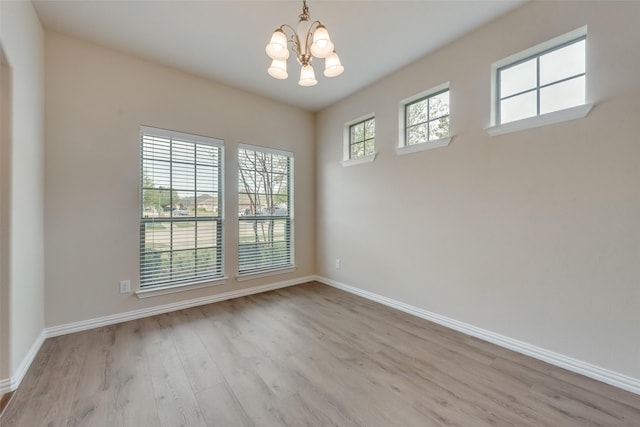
22,276
5,179
534,235
96,100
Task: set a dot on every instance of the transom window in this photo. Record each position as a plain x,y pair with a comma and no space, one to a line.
180,208
265,203
362,138
427,118
552,80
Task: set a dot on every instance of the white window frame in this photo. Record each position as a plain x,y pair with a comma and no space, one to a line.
172,286
346,146
559,116
290,266
402,147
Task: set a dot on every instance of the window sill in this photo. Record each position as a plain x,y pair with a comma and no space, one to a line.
423,146
560,116
172,289
359,160
241,277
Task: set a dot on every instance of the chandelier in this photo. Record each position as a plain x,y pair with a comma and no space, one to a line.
309,41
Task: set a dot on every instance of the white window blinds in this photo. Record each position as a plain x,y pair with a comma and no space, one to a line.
265,202
181,208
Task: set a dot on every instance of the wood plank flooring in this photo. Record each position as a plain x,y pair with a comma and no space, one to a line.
308,355
4,399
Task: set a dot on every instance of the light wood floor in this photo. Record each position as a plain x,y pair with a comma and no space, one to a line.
306,355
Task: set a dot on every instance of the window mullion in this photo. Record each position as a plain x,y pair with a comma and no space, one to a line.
538,85
518,94
195,209
171,257
428,117
566,79
406,123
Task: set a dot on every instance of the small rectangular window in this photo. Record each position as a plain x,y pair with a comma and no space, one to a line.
180,208
427,118
362,138
265,205
550,80
423,121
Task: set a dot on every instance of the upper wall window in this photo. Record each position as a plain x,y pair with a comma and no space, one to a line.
533,84
550,81
427,119
360,140
181,208
424,120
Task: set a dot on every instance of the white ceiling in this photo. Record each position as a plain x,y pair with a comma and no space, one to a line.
224,40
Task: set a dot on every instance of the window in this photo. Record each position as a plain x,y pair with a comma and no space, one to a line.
359,141
181,208
547,82
362,139
427,119
532,85
265,202
424,120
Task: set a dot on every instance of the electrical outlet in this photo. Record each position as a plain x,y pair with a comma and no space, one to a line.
125,286
337,262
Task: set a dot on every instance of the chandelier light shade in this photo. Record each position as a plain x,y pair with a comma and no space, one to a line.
277,47
332,65
307,76
278,69
321,46
308,41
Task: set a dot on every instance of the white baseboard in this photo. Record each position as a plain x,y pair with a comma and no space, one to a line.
5,386
601,374
12,383
97,322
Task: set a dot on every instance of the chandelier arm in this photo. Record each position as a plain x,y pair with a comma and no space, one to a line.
314,23
294,38
283,26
